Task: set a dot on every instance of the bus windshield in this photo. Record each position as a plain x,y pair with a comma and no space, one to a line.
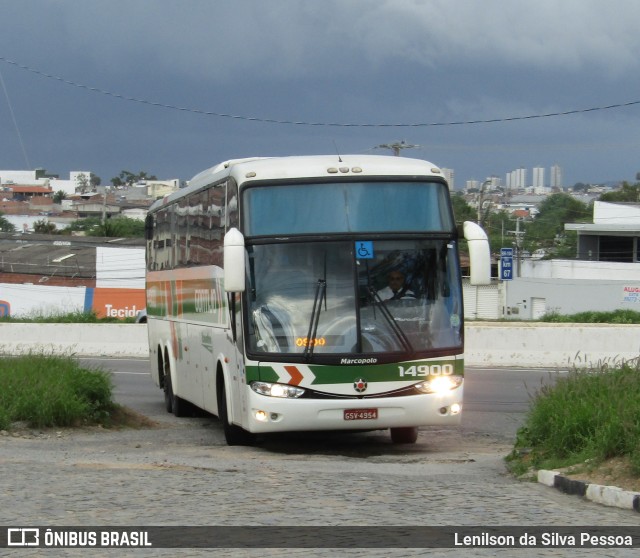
343,207
332,298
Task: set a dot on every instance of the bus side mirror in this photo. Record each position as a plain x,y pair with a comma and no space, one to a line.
479,253
234,268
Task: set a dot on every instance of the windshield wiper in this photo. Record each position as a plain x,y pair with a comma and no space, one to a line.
400,334
321,291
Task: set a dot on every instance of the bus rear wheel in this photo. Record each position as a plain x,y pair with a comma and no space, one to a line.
404,435
172,402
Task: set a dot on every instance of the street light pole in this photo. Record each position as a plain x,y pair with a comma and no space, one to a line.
397,146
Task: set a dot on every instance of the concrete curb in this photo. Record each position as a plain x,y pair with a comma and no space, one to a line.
611,496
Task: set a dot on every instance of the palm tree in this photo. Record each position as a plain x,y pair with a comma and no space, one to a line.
5,225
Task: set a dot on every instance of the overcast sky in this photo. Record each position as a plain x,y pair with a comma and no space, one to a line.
364,62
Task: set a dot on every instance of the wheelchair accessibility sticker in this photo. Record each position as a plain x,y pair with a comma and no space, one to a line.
364,250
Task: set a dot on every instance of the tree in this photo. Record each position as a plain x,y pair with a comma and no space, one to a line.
628,193
116,226
5,225
126,178
462,211
497,226
82,183
43,226
119,226
59,196
556,210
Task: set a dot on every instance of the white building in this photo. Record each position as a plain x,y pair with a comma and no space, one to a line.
449,176
538,180
517,179
605,277
37,178
78,181
160,188
493,182
22,178
556,177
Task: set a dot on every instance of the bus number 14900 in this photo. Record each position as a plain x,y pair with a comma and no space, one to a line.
426,370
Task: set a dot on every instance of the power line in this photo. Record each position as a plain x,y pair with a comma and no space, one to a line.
306,123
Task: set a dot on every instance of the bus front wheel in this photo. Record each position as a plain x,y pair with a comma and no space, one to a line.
404,435
234,434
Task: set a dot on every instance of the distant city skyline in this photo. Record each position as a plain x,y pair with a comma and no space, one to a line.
518,178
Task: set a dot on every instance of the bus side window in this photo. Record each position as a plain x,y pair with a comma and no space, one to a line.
232,205
216,223
198,228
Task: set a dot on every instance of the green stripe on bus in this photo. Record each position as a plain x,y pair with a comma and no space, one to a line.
411,371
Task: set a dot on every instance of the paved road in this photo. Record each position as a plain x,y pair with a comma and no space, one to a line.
181,473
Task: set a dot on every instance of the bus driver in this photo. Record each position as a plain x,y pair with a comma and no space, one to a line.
397,289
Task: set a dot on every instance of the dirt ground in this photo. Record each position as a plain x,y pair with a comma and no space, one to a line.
613,472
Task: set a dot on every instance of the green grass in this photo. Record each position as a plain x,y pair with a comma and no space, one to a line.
69,318
587,416
613,317
43,391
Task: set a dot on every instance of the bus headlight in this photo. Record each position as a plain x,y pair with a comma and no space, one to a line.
440,384
277,390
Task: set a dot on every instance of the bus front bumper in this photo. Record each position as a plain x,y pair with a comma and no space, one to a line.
272,414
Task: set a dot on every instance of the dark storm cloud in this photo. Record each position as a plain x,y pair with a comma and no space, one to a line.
356,61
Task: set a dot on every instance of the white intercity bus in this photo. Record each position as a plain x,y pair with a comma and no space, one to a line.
311,293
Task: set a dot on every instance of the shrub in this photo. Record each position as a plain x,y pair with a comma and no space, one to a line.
589,414
44,390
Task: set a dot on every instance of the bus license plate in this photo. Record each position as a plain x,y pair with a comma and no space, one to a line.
360,414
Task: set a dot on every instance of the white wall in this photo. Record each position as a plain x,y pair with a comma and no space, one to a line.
579,270
120,267
566,296
486,344
554,345
18,221
67,186
135,213
615,213
41,300
115,340
18,177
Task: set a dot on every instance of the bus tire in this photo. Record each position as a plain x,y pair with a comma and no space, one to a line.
167,396
162,371
404,435
173,403
234,434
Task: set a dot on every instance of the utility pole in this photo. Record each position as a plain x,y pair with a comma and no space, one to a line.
519,235
104,205
482,214
397,147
